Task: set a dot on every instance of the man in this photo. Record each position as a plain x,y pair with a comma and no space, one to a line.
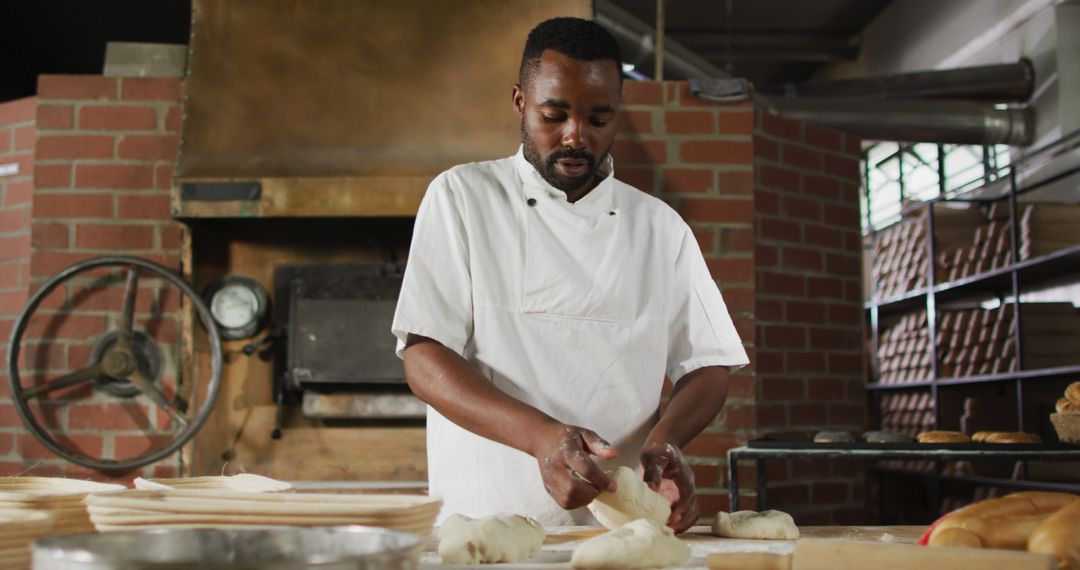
544,301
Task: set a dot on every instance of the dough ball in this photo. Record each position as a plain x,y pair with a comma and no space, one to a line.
766,525
632,500
886,437
834,437
639,544
499,538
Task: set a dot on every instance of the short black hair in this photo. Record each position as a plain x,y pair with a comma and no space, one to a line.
573,37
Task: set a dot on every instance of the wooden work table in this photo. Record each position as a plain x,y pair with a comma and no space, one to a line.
561,542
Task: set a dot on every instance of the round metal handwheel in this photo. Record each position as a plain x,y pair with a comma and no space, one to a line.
123,364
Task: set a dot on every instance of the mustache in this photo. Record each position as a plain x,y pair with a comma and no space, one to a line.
580,154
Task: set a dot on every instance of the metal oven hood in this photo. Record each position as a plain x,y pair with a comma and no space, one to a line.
345,107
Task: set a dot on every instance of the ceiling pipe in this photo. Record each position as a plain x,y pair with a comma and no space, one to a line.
1010,82
678,61
950,122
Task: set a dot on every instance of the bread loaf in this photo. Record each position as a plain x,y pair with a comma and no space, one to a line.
1059,536
1067,406
1013,437
1073,392
943,437
1000,523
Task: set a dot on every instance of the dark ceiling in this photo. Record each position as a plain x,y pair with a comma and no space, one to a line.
767,41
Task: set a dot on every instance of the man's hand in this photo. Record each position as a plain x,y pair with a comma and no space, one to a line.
570,476
668,473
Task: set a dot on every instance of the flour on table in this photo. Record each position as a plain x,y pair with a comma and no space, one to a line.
642,543
499,538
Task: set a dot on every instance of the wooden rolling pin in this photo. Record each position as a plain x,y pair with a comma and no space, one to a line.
811,554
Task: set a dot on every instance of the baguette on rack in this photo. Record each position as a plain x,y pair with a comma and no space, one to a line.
1007,522
1059,536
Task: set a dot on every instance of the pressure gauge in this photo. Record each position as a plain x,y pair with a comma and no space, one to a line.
238,304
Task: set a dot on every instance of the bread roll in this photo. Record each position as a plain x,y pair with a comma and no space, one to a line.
943,437
886,437
956,537
834,437
980,436
1067,406
1006,522
1059,536
1073,392
1013,437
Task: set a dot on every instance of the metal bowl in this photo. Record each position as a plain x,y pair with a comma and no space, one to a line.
269,548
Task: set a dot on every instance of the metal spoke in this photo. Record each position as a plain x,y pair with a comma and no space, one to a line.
151,391
77,377
127,316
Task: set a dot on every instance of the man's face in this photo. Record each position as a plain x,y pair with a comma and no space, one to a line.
568,113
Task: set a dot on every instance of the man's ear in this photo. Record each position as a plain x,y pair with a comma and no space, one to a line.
518,95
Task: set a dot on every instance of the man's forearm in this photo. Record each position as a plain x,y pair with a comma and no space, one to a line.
697,399
454,387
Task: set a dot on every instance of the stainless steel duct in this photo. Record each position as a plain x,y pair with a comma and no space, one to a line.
1011,82
911,121
632,31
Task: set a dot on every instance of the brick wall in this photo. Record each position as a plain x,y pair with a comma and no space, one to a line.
808,309
16,152
102,172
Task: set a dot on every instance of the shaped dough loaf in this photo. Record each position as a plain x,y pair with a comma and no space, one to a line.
499,538
639,544
767,525
632,500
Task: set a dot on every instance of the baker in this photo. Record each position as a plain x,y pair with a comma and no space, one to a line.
544,301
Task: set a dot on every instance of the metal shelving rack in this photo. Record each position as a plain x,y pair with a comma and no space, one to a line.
1005,282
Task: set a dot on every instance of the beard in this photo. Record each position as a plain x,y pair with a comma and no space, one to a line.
545,165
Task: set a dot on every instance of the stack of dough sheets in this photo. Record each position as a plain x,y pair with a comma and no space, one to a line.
194,508
62,498
18,529
243,482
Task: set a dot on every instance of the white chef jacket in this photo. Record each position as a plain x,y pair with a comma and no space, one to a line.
578,310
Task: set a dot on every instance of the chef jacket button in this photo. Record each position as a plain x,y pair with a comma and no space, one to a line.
611,213
531,201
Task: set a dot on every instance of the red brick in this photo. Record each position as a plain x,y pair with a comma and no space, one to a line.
24,162
802,157
739,300
642,93
717,152
679,122
769,310
731,270
770,361
784,336
766,255
853,145
163,471
711,503
18,111
706,239
687,180
821,186
784,495
640,177
745,328
7,443
163,176
73,205
14,220
843,216
49,263
845,364
686,98
783,284
635,123
706,475
5,140
736,240
779,177
800,259
766,201
779,229
710,444
172,119
125,416
153,207
779,126
55,116
129,446
825,389
799,362
150,88
49,235
132,176
53,175
844,167
847,415
827,287
117,117
833,339
30,448
24,137
808,415
19,193
845,314
853,291
66,326
766,148
805,312
823,236
829,493
742,387
162,147
823,138
60,146
76,87
844,264
737,123
94,236
781,388
714,210
795,208
639,152
735,182
14,247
